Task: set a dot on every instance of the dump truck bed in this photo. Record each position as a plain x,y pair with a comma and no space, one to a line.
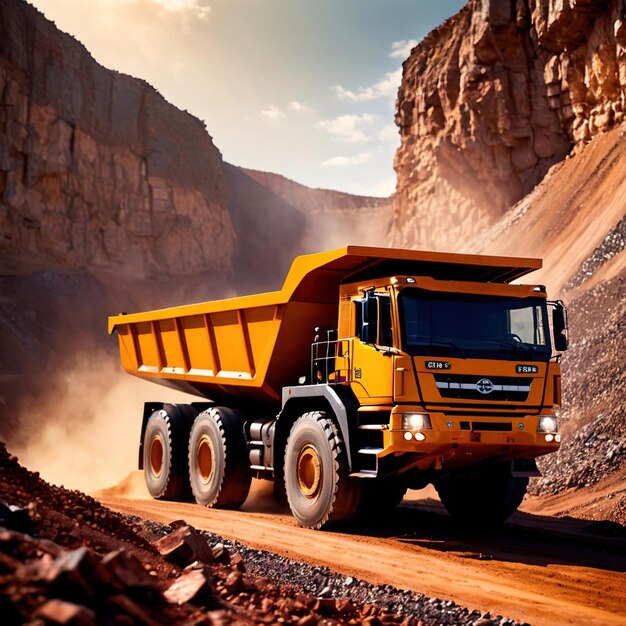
248,348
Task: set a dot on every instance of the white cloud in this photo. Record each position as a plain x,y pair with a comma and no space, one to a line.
388,86
342,161
402,49
192,6
300,107
348,128
273,114
388,134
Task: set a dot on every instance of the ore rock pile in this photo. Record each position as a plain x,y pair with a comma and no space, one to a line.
66,559
613,244
593,416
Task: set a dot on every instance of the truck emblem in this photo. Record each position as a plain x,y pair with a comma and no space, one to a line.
484,385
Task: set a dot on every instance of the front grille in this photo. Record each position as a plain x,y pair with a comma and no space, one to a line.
491,388
501,426
491,426
472,413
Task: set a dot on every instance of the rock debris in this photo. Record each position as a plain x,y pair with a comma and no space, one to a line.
66,559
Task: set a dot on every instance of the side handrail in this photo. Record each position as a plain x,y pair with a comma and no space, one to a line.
331,359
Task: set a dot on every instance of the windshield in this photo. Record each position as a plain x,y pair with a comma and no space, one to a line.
465,325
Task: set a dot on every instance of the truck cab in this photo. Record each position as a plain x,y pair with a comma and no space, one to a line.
447,373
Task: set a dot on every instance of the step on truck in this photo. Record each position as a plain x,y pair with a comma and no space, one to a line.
372,371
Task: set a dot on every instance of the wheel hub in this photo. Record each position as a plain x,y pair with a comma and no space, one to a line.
205,458
156,455
309,471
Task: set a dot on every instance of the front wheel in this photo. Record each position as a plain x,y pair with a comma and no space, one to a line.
485,497
319,490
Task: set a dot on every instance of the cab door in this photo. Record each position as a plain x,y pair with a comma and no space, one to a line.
372,358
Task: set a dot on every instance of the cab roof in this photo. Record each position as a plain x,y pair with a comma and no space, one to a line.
314,274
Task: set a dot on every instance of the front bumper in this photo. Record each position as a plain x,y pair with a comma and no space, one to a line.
455,441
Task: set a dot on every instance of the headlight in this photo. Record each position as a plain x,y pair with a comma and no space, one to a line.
415,421
547,424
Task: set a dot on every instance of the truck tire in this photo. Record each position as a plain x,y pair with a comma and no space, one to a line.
319,490
379,497
219,470
485,498
164,451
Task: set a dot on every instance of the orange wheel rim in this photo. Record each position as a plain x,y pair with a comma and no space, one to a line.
309,471
156,455
204,455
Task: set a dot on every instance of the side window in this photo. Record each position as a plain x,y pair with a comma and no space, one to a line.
540,325
385,335
378,320
358,317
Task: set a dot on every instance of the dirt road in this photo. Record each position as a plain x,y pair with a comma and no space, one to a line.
536,570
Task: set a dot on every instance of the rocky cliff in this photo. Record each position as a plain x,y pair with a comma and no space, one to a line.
96,168
491,100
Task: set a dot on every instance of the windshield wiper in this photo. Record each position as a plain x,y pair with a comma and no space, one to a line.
442,343
516,345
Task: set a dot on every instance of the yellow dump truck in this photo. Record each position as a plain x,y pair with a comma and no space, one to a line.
371,371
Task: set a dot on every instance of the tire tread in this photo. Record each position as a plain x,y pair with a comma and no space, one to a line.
236,478
345,496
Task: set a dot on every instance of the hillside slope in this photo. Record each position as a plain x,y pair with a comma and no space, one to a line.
333,218
566,217
575,219
491,100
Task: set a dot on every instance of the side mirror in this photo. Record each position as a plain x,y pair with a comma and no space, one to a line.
369,323
559,326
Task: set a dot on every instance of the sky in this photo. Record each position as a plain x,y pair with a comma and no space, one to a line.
303,88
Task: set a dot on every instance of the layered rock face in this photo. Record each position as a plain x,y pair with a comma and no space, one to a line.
96,168
491,100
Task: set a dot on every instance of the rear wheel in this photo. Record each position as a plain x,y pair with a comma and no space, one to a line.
486,497
219,471
164,451
319,490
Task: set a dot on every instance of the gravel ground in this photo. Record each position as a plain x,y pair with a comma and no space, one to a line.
322,582
613,244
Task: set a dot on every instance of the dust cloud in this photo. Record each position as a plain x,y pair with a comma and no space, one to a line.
83,432
356,227
75,416
133,486
261,499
